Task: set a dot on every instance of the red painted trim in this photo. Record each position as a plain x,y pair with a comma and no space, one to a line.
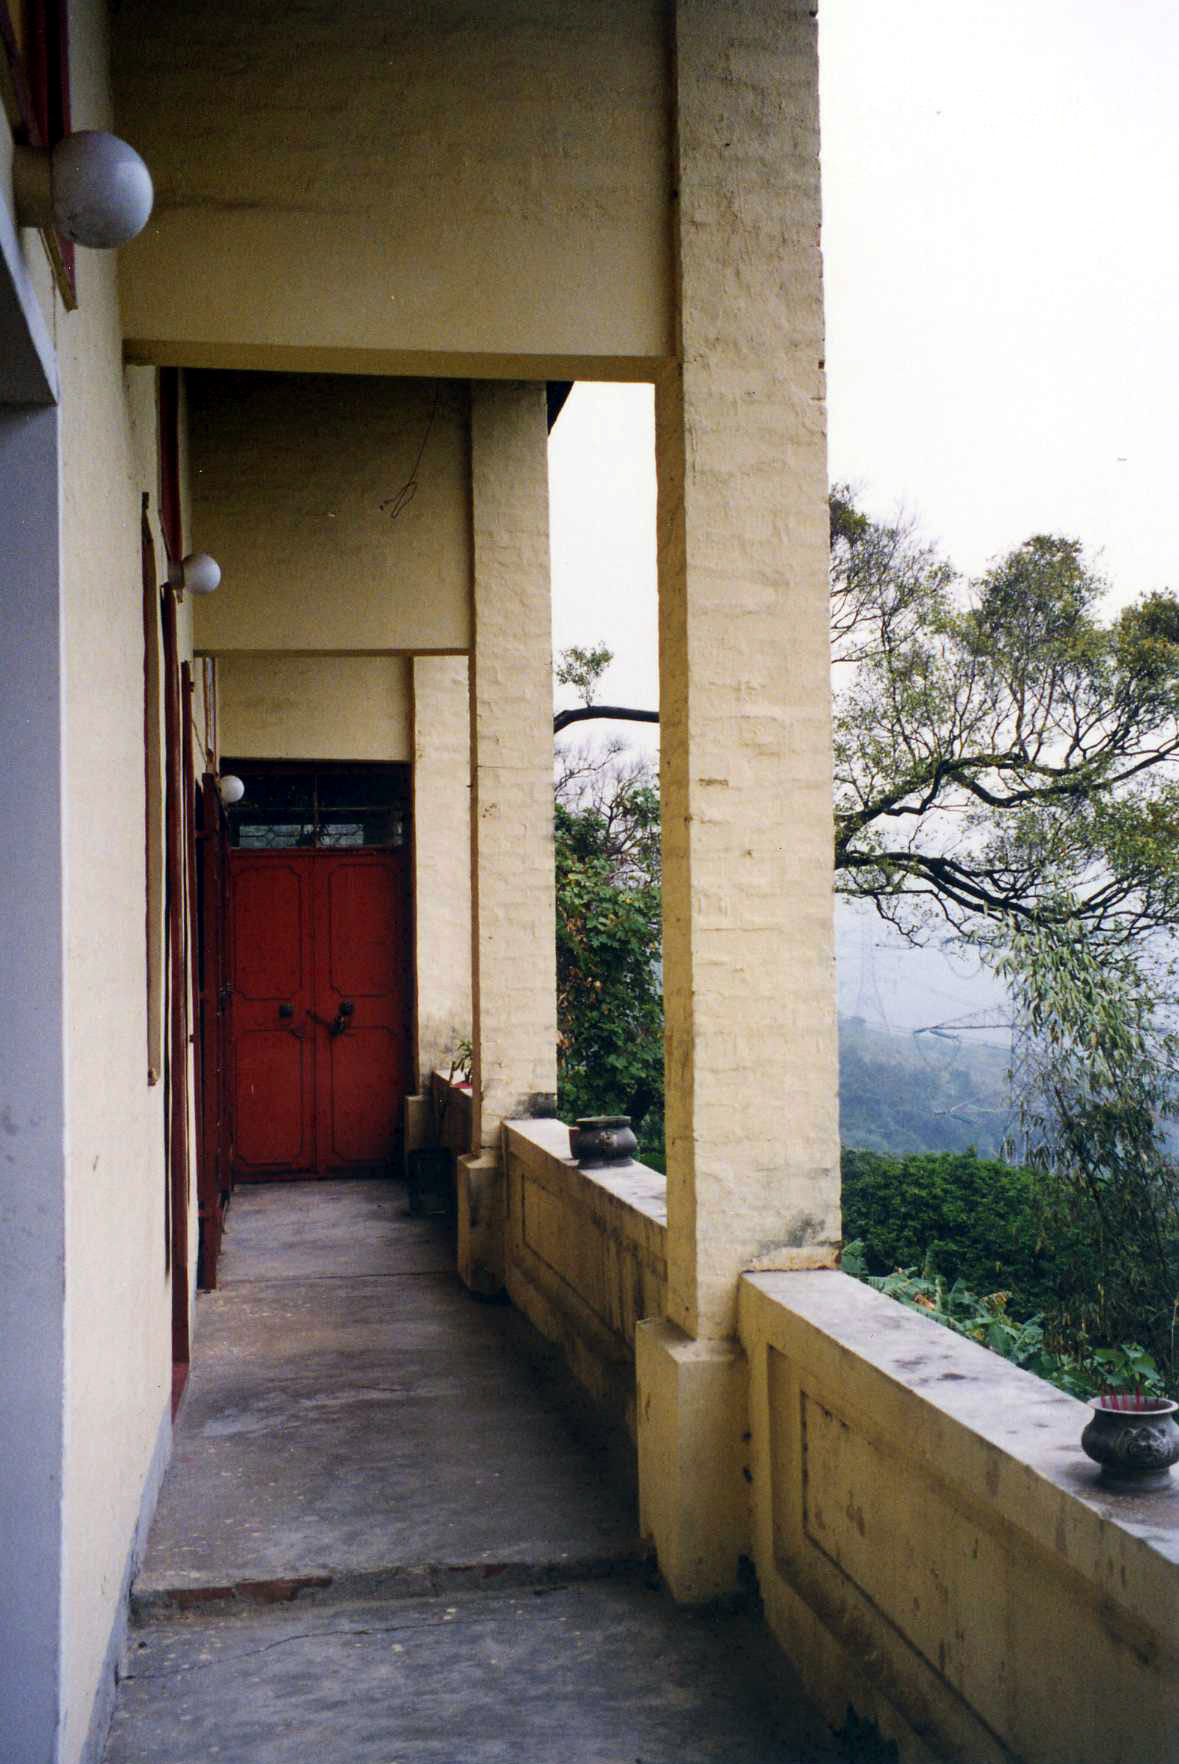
212,1159
174,824
46,89
169,432
151,594
179,1381
26,130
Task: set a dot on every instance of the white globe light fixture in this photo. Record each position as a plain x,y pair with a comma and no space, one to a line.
91,187
198,573
230,788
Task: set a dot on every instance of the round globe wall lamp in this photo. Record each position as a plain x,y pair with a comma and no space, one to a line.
230,788
91,187
198,573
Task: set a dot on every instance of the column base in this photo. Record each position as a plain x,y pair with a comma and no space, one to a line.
692,1408
481,1194
419,1126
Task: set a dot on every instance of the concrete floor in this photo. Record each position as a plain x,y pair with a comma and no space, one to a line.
389,1533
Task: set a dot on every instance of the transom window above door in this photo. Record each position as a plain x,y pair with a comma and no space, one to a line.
328,807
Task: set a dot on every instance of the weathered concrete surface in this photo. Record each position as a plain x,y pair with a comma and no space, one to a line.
388,1534
934,1547
326,1230
375,1428
589,1674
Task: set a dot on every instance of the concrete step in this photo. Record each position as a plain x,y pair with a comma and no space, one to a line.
164,1599
597,1672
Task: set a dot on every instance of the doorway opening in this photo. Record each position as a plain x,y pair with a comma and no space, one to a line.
321,967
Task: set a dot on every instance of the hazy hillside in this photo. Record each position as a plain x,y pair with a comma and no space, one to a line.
908,1093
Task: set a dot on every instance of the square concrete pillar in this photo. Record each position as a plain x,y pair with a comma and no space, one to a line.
692,1404
513,965
442,875
749,982
753,1151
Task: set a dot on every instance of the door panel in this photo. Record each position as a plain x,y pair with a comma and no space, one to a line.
272,1111
322,1058
269,911
362,987
273,1036
364,1097
363,935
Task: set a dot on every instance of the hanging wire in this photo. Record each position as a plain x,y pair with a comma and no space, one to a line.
401,499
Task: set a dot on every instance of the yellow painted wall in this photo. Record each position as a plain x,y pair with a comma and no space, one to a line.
466,182
346,707
117,1296
442,851
294,481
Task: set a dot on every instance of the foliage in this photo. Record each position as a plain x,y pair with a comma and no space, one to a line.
583,668
989,1321
974,1219
997,747
609,1003
1096,1073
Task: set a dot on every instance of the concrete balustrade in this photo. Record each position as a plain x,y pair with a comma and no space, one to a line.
586,1254
931,1545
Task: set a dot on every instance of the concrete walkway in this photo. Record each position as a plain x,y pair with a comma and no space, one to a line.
389,1534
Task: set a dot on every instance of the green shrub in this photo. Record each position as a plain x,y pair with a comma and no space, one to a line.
987,1319
972,1219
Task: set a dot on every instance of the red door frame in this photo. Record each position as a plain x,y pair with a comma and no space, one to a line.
211,992
176,823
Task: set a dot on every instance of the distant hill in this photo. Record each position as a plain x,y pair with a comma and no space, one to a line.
904,1093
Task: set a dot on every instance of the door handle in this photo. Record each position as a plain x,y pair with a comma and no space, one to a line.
344,1012
286,1012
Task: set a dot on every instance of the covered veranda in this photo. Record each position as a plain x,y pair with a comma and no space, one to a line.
394,1528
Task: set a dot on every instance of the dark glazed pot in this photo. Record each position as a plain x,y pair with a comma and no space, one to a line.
1134,1439
599,1140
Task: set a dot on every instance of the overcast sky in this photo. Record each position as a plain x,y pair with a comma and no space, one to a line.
1001,257
1002,267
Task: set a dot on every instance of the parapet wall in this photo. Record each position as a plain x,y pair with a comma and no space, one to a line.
931,1544
933,1548
585,1256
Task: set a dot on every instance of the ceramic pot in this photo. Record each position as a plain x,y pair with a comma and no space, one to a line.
1134,1439
599,1140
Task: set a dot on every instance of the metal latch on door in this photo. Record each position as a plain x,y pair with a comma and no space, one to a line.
340,1023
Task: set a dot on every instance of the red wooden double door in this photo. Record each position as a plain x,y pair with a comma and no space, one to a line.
320,953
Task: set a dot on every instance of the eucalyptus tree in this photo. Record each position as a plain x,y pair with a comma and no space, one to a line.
999,745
